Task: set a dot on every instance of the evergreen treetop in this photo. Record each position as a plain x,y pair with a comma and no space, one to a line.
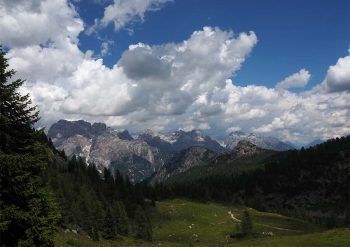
28,211
17,114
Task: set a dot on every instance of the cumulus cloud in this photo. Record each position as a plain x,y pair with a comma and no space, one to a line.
124,12
311,115
338,76
24,23
140,62
299,79
158,80
166,87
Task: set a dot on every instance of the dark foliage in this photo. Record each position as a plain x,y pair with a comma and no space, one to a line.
143,225
28,209
93,202
17,115
309,183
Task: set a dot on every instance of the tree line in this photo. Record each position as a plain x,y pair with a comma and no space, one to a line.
311,183
103,205
42,190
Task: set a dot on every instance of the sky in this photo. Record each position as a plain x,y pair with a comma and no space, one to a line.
276,68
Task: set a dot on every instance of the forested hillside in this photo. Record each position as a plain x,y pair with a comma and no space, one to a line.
41,190
96,202
311,183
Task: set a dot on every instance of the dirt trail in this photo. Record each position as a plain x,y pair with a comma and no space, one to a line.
233,217
280,228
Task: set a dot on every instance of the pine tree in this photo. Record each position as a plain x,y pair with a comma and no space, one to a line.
95,234
143,225
17,115
122,219
109,230
28,210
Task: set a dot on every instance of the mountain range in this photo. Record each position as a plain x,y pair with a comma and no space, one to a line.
150,155
138,158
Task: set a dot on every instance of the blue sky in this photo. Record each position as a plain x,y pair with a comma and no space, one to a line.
276,68
291,34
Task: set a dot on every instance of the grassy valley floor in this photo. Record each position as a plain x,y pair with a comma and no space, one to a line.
185,223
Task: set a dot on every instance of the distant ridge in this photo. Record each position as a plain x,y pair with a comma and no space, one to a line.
265,142
180,140
137,157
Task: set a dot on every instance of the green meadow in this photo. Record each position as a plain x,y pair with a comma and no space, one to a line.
186,223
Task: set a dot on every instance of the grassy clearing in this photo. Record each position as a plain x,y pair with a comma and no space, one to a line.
181,223
211,224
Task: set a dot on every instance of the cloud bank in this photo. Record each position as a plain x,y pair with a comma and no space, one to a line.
165,87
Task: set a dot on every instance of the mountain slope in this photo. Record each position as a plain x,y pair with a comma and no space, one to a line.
313,143
311,183
264,142
180,140
245,157
106,148
183,161
116,149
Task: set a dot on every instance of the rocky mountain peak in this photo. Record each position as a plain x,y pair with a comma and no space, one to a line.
265,142
180,140
64,129
237,133
124,135
105,147
150,132
244,148
98,128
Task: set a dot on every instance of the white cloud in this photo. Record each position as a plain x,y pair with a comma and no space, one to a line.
159,80
25,23
299,79
124,12
338,76
170,86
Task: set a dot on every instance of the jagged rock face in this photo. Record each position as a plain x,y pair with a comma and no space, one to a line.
117,149
271,143
76,145
106,148
98,129
244,148
180,140
134,158
64,129
157,140
124,135
183,161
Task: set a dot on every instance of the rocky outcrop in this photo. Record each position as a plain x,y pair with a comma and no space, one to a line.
244,148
